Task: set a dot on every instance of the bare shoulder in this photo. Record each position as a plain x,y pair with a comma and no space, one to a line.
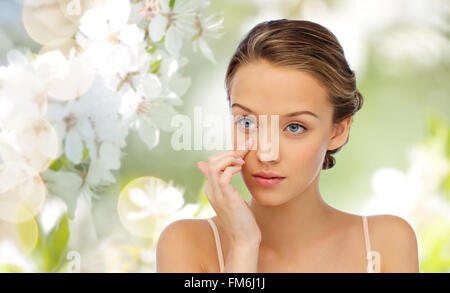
395,239
180,245
391,227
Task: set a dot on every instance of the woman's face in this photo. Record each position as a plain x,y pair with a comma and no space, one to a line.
259,88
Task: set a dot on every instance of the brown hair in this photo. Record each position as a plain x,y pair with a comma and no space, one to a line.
306,46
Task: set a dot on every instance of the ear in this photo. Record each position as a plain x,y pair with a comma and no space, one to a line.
340,133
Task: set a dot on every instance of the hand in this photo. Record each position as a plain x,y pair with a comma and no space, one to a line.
232,210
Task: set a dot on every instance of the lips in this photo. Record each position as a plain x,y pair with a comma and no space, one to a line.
267,175
267,179
267,182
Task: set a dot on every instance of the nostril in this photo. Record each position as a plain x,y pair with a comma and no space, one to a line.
268,157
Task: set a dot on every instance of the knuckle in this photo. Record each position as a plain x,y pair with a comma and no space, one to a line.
235,155
210,167
223,180
213,168
230,159
235,201
230,153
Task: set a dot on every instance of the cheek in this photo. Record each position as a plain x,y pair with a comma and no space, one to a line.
303,155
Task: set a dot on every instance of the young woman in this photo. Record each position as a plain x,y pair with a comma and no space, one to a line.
296,70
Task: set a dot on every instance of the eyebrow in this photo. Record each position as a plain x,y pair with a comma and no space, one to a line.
287,115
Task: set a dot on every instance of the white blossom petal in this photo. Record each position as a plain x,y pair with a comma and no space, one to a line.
139,198
73,147
157,27
131,35
150,85
119,13
207,52
173,42
148,132
110,154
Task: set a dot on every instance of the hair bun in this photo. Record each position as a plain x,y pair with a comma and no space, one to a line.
358,100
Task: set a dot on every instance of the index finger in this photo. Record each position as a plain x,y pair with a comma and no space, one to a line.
243,149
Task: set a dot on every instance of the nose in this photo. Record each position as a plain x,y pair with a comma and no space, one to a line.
268,140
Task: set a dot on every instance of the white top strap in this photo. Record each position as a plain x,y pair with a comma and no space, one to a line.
218,245
367,240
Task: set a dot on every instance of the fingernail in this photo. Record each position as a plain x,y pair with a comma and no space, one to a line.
240,160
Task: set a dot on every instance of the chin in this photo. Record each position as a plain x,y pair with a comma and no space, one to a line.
267,198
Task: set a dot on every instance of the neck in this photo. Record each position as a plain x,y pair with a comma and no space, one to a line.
294,224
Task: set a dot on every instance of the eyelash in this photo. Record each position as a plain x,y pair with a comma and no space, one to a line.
295,133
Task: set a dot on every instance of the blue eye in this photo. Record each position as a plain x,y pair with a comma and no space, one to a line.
246,123
296,127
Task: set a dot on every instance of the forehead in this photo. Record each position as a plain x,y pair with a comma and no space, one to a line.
266,88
